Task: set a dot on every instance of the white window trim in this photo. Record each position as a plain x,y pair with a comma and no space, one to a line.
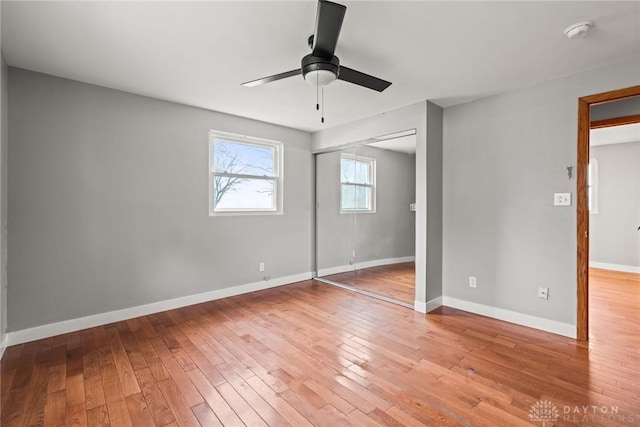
372,185
278,177
593,166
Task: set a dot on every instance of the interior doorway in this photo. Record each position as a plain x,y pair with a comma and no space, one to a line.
585,125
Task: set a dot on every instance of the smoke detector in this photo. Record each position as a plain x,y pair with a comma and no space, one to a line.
579,29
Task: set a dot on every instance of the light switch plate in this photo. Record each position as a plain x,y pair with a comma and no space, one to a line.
562,199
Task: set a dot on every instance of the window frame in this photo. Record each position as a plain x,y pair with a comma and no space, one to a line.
371,184
277,178
592,186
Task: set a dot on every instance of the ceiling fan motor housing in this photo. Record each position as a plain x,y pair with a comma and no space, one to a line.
311,63
321,67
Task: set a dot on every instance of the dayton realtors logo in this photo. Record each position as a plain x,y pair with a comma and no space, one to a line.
596,414
544,411
547,412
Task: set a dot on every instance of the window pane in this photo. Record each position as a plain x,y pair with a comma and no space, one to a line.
348,197
347,170
361,173
236,193
363,199
354,171
246,159
355,197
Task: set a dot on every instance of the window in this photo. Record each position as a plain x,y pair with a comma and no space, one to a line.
357,181
245,175
592,186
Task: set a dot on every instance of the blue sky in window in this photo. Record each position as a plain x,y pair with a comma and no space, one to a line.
249,194
238,158
246,159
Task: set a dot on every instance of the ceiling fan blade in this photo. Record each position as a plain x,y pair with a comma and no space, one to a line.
362,79
328,24
273,78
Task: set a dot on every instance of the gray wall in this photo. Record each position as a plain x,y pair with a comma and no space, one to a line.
434,200
614,237
504,157
611,110
387,233
108,203
4,128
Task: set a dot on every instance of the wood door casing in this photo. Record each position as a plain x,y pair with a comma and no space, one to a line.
582,211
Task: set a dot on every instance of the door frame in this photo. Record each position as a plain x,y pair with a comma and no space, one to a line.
582,210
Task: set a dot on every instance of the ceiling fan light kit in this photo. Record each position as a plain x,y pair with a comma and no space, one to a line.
321,67
320,77
317,71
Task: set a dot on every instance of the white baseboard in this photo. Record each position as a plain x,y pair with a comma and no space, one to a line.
361,265
427,307
3,345
384,261
52,329
615,267
534,322
334,270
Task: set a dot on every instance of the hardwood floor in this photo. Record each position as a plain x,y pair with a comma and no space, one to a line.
614,310
395,281
313,354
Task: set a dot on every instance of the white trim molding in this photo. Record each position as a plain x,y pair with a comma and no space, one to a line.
3,345
72,325
547,325
427,307
385,261
334,270
615,267
365,264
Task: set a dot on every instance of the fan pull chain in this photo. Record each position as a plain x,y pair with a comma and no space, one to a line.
322,119
317,92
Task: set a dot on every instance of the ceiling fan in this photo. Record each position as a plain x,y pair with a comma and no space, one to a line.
321,67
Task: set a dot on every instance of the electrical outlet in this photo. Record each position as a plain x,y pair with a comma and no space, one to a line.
472,282
262,266
266,278
543,293
562,199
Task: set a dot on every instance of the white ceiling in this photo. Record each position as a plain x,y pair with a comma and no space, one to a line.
198,53
615,135
404,144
